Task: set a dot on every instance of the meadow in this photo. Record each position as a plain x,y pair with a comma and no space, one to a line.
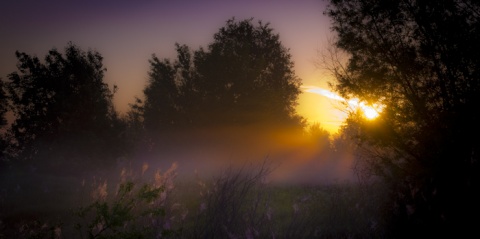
145,202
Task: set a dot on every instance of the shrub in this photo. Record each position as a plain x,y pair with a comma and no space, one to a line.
136,210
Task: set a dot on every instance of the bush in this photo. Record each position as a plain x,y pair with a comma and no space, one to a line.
136,210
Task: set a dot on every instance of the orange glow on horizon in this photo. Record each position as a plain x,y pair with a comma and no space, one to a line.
327,112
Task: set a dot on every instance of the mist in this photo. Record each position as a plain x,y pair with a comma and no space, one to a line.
206,135
214,148
189,164
297,158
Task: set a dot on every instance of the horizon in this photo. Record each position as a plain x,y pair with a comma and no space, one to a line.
127,34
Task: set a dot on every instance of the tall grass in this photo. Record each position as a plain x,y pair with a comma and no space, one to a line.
236,203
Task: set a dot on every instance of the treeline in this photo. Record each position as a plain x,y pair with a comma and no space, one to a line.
419,59
63,112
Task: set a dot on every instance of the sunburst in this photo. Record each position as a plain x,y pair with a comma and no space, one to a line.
369,111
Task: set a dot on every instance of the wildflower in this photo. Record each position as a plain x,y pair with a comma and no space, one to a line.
144,167
169,184
123,175
170,174
163,196
158,179
100,192
166,179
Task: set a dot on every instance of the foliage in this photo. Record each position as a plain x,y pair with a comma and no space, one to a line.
233,205
3,120
3,104
244,77
419,60
61,104
238,203
35,229
137,208
320,136
119,218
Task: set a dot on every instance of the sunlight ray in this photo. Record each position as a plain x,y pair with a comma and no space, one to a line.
370,112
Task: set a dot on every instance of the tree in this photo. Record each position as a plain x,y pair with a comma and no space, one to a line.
161,108
3,120
61,106
245,77
418,59
318,135
3,104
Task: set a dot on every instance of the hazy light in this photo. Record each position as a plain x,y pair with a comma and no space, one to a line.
324,92
370,112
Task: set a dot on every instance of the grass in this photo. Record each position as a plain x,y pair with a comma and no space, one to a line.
237,203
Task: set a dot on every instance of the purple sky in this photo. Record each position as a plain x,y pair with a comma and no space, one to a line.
127,33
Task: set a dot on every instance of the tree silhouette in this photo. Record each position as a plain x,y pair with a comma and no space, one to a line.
3,104
419,59
62,107
245,77
3,120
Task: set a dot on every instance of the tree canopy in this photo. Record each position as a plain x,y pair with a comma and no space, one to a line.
3,120
61,104
244,77
419,59
3,104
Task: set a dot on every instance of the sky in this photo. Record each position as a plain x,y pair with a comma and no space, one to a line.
127,33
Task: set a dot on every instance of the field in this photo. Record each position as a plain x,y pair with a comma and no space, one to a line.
145,203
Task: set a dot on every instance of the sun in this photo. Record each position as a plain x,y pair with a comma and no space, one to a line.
369,112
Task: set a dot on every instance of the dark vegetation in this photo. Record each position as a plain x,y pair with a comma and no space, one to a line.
419,59
416,164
